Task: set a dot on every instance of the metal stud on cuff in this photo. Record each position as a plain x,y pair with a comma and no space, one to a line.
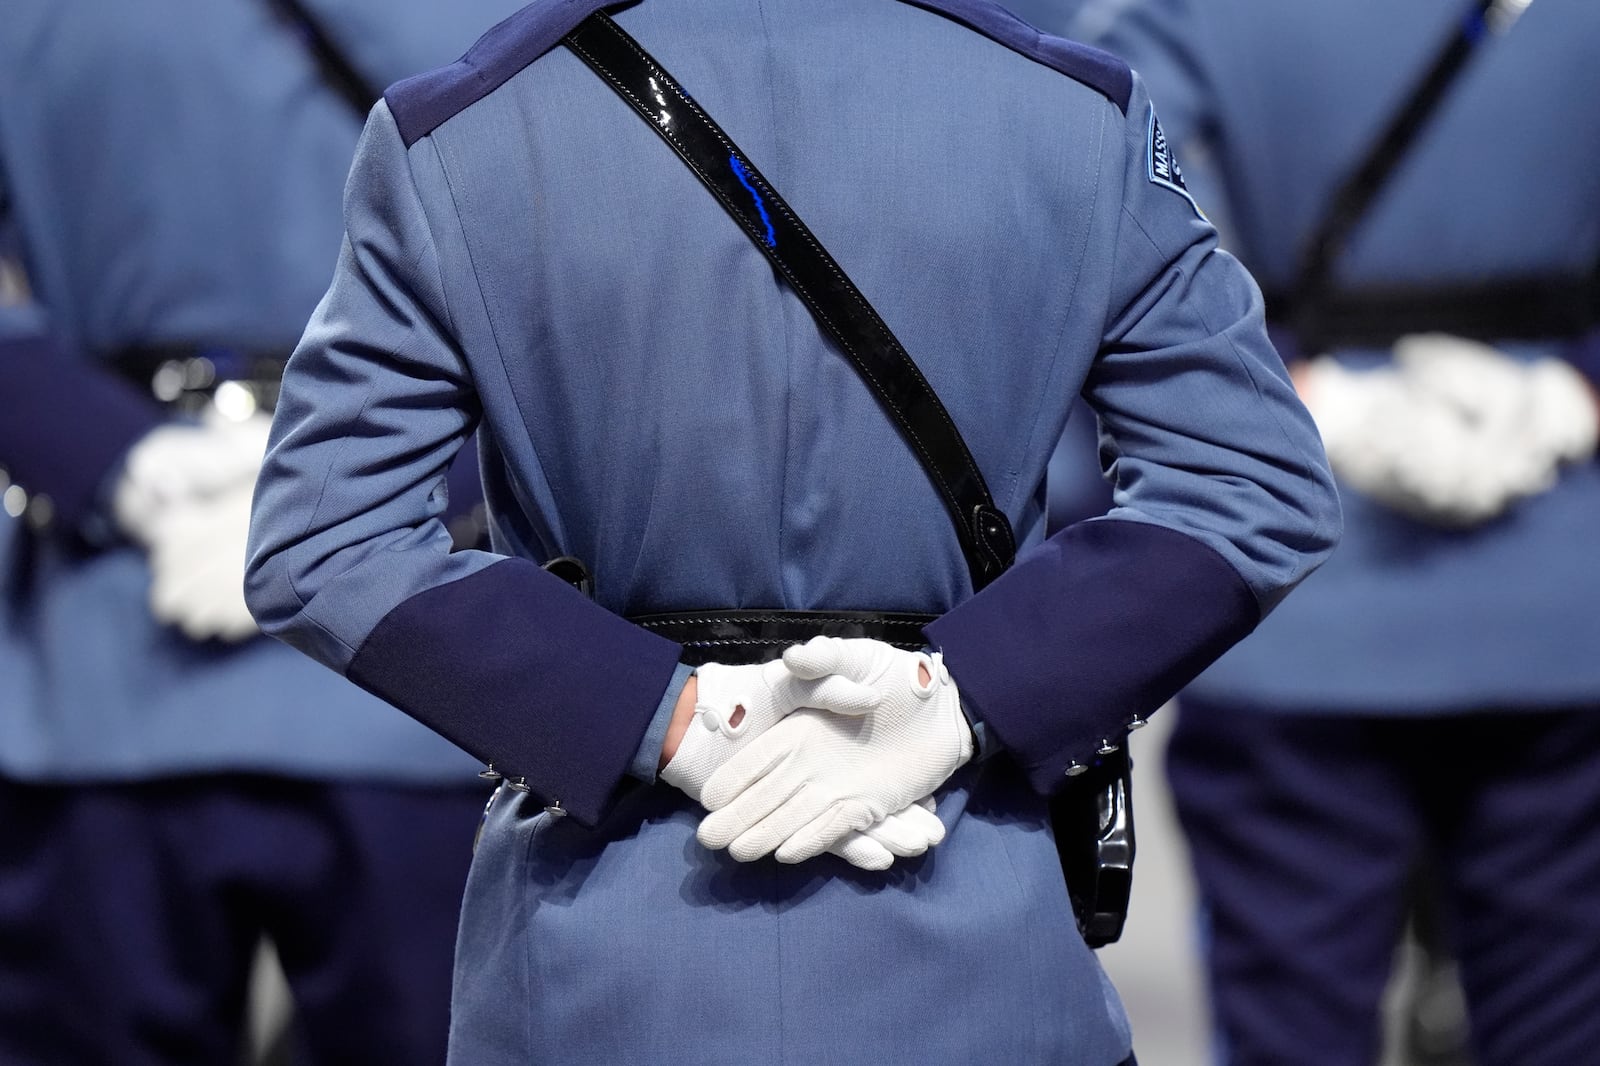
1074,769
555,810
1137,723
518,784
489,773
1107,748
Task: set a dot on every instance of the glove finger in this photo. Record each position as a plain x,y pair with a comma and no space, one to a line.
794,813
748,766
816,658
843,696
213,590
235,629
171,589
862,851
910,832
798,838
188,595
226,618
747,808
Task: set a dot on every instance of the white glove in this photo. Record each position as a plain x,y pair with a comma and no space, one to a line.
185,495
1417,451
816,776
196,552
184,462
736,704
1545,406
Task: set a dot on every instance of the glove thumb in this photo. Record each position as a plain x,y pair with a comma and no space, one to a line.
843,696
816,658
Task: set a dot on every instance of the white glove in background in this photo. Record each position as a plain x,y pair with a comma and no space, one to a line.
816,776
184,495
186,461
1408,436
767,692
1544,407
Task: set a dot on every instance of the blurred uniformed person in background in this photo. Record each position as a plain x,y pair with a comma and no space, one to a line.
526,256
1414,186
173,786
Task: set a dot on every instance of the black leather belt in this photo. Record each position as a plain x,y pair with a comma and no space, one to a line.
758,636
1529,309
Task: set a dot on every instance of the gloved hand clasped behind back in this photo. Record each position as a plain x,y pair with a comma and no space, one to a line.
737,704
816,775
184,495
1454,433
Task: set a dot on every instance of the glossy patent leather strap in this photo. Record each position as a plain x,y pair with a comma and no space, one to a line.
985,534
758,636
334,66
1357,192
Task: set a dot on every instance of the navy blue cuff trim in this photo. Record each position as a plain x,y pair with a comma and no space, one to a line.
1103,623
65,424
1585,355
1286,343
423,103
520,669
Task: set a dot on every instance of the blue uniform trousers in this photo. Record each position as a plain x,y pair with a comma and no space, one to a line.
1305,828
130,914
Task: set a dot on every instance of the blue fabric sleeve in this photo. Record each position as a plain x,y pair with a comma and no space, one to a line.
1223,501
648,757
350,561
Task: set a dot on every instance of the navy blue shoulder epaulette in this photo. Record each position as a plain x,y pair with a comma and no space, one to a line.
423,103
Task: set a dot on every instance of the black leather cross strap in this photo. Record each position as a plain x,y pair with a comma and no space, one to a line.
1324,316
338,73
1356,193
840,308
1092,815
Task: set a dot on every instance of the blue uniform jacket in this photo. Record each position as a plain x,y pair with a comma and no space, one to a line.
170,172
524,256
1285,100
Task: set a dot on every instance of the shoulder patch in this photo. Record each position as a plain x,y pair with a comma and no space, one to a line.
1161,165
423,103
1100,71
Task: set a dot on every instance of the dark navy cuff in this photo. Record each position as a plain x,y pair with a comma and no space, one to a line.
1102,624
65,424
523,671
1585,355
